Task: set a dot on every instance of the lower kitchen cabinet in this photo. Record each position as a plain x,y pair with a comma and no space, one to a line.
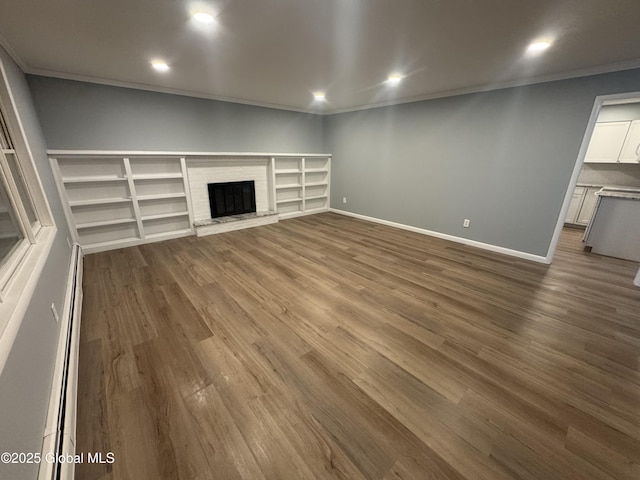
583,203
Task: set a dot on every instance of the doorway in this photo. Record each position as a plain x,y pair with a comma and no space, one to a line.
611,117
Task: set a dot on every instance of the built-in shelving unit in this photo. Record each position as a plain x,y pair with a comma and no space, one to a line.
118,201
300,184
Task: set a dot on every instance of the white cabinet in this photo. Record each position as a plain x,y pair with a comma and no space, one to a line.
113,202
583,204
631,147
588,206
301,184
574,206
606,142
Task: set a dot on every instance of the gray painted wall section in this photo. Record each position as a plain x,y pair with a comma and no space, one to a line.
503,159
26,380
78,115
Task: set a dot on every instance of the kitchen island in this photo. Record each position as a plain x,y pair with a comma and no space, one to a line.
614,229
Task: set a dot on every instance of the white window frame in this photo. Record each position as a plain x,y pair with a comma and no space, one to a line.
20,272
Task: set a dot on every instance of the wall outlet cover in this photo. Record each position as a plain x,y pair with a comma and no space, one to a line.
466,223
344,199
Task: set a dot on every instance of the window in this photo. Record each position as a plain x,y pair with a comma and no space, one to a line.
27,231
19,220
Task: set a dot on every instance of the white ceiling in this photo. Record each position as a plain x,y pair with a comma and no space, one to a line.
276,52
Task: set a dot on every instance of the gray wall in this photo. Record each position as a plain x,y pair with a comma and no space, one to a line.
79,115
26,380
503,159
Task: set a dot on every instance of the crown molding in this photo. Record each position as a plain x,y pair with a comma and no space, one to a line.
610,68
4,43
172,91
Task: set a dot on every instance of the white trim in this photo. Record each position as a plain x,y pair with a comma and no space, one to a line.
618,98
67,342
66,207
15,304
287,216
187,191
21,145
445,236
636,281
133,242
4,43
176,153
614,67
167,90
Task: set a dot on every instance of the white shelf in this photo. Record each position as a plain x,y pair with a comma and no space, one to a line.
105,178
314,210
315,197
172,234
104,223
313,181
134,197
98,201
157,176
165,215
289,200
92,247
160,196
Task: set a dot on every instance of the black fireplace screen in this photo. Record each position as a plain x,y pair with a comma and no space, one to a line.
232,198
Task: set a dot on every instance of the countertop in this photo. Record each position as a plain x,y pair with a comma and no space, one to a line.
616,194
628,193
613,187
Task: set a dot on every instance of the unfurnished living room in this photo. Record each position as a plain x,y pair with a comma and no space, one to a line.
319,239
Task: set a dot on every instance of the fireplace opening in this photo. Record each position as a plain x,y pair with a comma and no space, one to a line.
232,198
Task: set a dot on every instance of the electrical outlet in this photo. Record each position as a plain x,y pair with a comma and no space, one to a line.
55,312
466,223
344,199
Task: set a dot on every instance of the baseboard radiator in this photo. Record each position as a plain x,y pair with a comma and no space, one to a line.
60,430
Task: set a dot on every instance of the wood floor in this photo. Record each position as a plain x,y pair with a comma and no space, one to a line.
328,347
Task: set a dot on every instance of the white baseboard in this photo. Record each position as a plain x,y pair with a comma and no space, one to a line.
636,281
452,238
60,432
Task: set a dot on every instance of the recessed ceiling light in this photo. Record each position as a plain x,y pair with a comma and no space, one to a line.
160,66
319,96
394,79
538,47
202,17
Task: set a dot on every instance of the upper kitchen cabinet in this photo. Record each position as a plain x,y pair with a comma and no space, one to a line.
607,142
631,147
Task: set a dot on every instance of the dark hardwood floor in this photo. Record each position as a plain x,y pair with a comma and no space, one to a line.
328,347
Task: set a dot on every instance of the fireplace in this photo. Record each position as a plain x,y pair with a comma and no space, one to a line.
231,198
